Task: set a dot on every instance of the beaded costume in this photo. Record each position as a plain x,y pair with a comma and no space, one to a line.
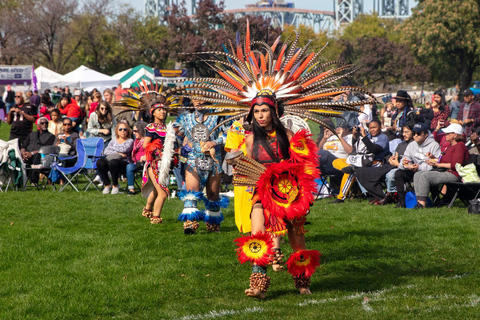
205,165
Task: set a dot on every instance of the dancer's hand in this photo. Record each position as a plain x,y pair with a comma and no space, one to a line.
209,145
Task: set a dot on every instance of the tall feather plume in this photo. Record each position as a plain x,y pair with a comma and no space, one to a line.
302,84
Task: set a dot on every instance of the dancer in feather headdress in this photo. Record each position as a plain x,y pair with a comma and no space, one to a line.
261,83
158,143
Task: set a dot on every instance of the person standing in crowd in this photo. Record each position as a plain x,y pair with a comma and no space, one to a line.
119,92
55,125
386,115
9,98
35,99
68,93
21,117
404,111
96,99
454,107
101,123
56,95
118,155
469,112
440,110
46,105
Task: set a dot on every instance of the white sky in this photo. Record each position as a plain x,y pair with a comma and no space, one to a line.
326,5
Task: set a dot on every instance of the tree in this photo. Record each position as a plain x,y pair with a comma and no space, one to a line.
381,60
207,31
370,25
444,35
317,41
45,31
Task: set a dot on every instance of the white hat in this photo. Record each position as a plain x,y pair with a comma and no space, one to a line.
453,128
77,93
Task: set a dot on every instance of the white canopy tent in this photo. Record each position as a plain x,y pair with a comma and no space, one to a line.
47,78
89,79
120,75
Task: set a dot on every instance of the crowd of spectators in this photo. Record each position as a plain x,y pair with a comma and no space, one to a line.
62,117
399,146
384,150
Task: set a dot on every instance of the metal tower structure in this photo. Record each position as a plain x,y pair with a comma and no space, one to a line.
347,10
394,9
159,8
194,3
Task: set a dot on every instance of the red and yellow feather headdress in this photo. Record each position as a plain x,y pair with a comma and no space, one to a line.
300,84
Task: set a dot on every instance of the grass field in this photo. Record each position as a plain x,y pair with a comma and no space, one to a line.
87,255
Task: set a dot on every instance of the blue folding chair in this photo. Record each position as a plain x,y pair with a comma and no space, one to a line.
88,152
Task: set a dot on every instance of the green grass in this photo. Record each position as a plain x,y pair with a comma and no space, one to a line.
86,255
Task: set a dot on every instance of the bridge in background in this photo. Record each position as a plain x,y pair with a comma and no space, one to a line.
282,14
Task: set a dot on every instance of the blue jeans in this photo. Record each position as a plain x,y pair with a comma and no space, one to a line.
131,167
9,105
390,180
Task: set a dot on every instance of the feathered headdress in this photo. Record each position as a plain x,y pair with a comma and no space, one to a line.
147,98
296,82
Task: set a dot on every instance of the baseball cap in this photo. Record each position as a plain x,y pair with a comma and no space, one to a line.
467,92
420,127
453,128
77,93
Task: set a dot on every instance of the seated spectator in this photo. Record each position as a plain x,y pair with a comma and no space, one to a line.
55,125
118,155
101,123
21,116
368,148
414,159
67,140
32,145
138,155
371,178
333,147
404,111
443,166
71,109
440,110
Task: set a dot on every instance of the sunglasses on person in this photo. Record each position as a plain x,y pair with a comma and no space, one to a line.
103,109
135,130
43,122
18,96
67,124
122,129
415,133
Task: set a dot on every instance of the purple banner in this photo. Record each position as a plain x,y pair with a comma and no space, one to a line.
34,80
19,75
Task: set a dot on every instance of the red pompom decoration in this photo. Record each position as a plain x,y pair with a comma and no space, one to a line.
257,249
303,263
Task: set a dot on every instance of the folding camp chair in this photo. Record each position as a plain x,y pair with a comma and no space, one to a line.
12,168
88,152
50,154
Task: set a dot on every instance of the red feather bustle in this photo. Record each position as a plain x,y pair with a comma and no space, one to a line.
303,263
154,150
257,248
286,190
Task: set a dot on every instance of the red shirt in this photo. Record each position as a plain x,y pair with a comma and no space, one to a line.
457,153
71,110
